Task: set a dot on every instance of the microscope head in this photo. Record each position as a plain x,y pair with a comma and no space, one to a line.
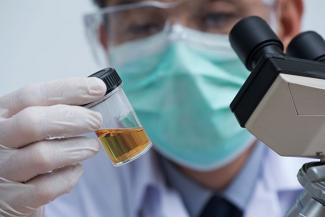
282,102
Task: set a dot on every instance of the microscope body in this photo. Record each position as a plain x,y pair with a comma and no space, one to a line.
282,103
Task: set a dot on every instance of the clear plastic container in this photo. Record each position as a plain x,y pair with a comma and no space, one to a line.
123,137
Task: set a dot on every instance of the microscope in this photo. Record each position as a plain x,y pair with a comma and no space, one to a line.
282,103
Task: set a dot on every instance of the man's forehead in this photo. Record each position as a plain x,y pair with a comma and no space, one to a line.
114,2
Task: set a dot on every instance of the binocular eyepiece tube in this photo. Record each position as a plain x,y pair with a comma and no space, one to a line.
260,41
307,45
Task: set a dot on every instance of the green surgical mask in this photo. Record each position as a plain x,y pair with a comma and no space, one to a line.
181,91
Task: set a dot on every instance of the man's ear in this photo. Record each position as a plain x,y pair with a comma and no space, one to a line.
103,36
290,13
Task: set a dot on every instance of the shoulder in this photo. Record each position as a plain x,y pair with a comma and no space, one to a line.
277,188
280,173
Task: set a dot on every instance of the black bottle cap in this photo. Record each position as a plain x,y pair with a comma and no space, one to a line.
110,78
307,45
249,36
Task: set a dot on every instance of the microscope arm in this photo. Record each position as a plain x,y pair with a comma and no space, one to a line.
311,203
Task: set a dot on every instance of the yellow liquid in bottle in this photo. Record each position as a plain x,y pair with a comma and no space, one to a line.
123,145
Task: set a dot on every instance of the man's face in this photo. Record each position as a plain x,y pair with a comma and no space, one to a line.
212,16
151,27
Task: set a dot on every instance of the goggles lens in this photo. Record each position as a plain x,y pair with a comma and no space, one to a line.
123,23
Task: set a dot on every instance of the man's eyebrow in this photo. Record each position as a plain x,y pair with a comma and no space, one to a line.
120,2
228,1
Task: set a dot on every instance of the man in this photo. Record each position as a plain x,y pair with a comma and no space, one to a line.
180,74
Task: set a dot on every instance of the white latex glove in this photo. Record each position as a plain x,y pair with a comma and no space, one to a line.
34,169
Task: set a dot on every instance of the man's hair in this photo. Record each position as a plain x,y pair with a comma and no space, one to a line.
100,3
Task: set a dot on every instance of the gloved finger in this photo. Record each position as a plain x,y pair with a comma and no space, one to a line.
74,91
23,164
18,199
37,123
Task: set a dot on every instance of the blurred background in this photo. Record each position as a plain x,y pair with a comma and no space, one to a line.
42,40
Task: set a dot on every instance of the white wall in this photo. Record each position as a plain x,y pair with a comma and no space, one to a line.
315,16
42,39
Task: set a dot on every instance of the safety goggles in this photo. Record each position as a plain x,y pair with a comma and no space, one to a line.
123,23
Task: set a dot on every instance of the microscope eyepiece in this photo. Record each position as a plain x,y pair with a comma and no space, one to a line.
307,45
252,38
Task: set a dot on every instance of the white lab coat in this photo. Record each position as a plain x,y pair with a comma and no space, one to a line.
105,191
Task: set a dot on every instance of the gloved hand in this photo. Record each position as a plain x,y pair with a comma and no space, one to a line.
35,169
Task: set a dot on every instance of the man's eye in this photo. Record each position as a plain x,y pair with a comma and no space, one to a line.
218,21
145,28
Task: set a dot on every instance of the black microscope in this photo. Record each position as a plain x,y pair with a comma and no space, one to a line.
282,102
